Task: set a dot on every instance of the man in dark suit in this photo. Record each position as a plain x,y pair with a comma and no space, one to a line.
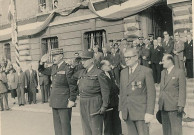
137,95
156,54
112,122
63,94
44,82
172,97
151,38
32,84
106,55
168,44
140,46
115,62
94,95
21,83
188,56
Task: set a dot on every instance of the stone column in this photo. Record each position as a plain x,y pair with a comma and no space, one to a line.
182,16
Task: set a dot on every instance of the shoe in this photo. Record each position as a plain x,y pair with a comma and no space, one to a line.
8,109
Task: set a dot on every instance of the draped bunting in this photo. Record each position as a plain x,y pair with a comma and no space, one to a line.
117,12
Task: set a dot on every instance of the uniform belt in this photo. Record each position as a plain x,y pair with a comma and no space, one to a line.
87,95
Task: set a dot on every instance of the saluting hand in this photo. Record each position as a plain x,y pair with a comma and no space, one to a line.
44,58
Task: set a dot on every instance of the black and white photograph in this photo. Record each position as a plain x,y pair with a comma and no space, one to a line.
96,67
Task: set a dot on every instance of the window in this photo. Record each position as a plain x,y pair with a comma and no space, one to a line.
95,37
54,4
7,51
47,44
42,5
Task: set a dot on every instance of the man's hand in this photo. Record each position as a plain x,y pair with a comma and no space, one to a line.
180,110
120,115
149,62
44,58
148,117
160,62
184,59
70,104
144,57
102,110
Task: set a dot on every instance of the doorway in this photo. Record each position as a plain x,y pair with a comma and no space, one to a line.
161,19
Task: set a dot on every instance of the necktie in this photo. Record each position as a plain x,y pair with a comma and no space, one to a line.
130,70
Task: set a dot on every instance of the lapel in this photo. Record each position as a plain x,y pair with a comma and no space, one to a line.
133,75
168,79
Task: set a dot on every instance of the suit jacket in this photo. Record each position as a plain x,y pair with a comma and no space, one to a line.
145,51
31,80
108,57
172,90
179,47
114,91
21,79
3,83
137,93
188,51
63,87
168,46
12,84
156,54
44,79
115,60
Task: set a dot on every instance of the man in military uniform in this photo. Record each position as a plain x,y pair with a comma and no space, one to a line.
94,95
63,94
168,43
145,53
112,122
137,95
188,56
172,97
178,52
44,82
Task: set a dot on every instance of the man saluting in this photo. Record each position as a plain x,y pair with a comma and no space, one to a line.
63,94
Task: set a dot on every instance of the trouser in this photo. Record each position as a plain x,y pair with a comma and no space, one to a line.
4,97
178,63
44,92
189,67
171,123
62,120
21,95
156,68
116,74
137,127
92,125
32,96
112,122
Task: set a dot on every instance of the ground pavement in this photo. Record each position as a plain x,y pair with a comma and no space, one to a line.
36,119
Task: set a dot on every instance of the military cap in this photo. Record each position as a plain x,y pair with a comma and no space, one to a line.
119,40
176,34
129,40
57,51
110,40
140,38
150,35
86,55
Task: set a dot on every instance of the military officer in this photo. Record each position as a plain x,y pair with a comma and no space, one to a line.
63,94
94,95
112,122
137,95
172,97
188,55
178,51
168,44
145,53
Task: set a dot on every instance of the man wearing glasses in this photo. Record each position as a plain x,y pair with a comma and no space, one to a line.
137,95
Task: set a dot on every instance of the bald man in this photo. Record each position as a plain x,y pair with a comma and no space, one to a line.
137,94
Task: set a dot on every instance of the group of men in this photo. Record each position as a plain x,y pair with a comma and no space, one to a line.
119,81
24,83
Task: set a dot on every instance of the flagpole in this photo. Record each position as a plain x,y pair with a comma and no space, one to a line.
14,30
